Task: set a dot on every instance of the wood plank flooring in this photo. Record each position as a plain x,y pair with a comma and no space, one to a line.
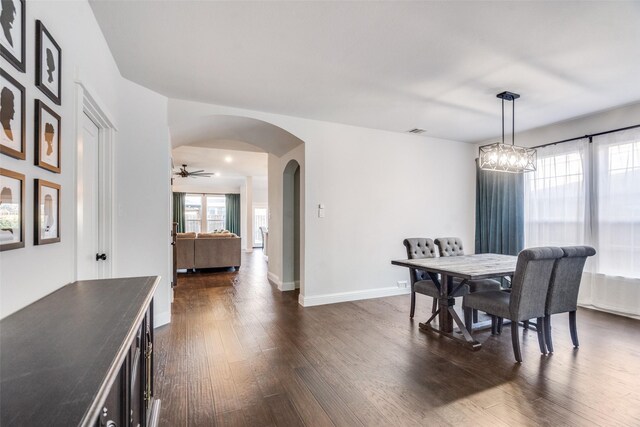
241,353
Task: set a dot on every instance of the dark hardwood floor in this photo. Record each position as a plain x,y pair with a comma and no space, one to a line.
239,352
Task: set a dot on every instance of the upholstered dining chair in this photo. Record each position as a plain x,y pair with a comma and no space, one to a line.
421,283
449,246
528,296
562,296
452,246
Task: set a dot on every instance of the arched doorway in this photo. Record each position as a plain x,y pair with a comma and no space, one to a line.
248,134
291,226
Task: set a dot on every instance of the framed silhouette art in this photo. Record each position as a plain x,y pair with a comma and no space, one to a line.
47,212
47,138
12,25
48,64
12,117
11,210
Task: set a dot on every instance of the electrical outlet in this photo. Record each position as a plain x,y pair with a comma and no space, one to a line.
402,283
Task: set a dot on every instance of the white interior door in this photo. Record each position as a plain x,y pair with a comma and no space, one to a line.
89,218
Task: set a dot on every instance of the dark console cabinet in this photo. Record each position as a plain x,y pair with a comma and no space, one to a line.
83,356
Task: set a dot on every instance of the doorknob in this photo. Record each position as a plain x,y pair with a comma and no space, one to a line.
102,257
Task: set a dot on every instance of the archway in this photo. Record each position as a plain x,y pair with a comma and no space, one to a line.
291,226
212,130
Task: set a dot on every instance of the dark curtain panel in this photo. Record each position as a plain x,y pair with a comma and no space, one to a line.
499,212
178,210
232,219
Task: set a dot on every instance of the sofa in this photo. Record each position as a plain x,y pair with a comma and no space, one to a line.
207,250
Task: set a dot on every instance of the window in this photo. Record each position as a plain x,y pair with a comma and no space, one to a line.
215,207
259,220
555,196
589,193
193,213
216,211
618,194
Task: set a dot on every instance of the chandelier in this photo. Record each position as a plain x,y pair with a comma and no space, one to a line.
501,157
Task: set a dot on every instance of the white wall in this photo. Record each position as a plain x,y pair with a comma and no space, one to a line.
143,233
615,118
213,188
32,272
277,166
378,188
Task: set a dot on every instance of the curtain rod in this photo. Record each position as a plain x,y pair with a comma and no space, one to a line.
587,136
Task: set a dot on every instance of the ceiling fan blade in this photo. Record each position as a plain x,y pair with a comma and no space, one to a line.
198,171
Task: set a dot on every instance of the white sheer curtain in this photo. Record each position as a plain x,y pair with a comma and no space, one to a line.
589,193
615,284
556,196
618,195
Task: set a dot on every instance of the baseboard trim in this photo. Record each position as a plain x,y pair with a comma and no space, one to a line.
160,319
287,286
310,301
274,279
608,310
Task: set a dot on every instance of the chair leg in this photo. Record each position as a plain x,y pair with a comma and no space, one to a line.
434,306
540,331
500,321
515,339
468,318
494,322
525,324
413,305
475,316
573,329
547,333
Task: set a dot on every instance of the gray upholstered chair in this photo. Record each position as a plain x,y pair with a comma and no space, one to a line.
563,289
449,246
452,246
421,283
528,296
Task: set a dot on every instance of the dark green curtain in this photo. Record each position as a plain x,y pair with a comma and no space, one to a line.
178,210
499,212
232,218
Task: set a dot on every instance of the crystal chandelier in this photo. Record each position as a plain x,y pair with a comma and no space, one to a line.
501,157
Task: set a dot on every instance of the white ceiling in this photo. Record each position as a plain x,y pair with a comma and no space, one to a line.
243,163
234,133
390,65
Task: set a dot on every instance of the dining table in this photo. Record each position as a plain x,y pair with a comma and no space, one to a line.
466,268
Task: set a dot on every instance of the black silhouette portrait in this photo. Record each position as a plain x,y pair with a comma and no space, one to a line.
49,133
7,111
51,65
7,16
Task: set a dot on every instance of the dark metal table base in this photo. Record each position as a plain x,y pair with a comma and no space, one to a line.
460,336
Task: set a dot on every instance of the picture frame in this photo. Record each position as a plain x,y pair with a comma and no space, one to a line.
47,137
12,209
12,33
48,64
47,212
12,104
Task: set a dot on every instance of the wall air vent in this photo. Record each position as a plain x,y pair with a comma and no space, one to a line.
416,131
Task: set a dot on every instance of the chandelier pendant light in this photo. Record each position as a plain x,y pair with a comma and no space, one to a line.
502,157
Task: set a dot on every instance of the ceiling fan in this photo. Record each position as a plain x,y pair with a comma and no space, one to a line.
184,173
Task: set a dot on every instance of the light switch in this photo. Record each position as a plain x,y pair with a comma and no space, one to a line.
320,213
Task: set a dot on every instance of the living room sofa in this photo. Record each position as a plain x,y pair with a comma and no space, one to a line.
208,250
